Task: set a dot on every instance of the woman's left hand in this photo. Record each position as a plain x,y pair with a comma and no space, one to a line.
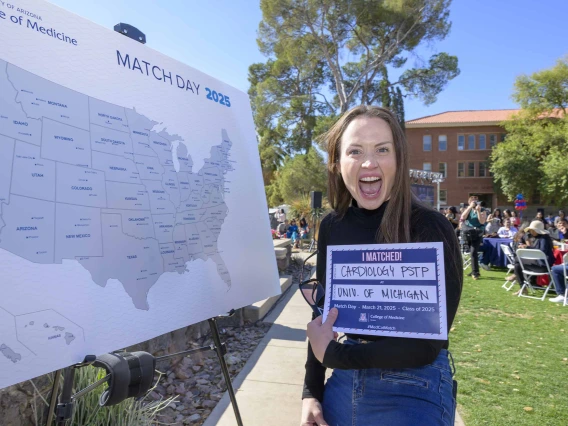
320,334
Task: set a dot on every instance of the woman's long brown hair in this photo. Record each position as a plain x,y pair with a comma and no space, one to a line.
395,225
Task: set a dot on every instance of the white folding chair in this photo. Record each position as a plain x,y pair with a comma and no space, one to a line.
531,254
466,256
508,285
565,262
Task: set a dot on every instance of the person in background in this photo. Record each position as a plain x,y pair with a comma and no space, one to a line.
515,219
280,216
453,216
562,227
559,283
558,270
493,224
549,219
474,218
507,231
304,231
495,215
283,228
552,230
542,242
561,215
292,231
540,217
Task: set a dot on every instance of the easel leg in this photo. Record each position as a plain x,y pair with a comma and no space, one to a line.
54,395
224,369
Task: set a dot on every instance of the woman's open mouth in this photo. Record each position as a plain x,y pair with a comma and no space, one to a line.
370,186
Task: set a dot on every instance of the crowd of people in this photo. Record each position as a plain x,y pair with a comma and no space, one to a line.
295,230
473,222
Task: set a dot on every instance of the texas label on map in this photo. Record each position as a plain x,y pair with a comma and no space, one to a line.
94,182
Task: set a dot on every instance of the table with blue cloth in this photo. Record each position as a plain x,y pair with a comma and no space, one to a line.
492,253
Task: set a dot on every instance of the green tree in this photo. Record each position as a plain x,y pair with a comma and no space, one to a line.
301,174
351,42
532,158
324,56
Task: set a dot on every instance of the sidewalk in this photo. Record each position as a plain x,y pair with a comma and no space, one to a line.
269,387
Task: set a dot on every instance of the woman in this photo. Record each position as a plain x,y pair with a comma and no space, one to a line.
453,217
280,216
369,191
542,242
507,214
540,217
292,232
473,224
515,219
304,231
495,215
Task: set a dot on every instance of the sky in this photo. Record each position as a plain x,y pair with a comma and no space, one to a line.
495,41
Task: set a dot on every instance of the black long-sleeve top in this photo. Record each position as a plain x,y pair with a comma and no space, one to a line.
360,226
544,244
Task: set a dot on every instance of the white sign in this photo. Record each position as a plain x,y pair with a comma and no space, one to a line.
128,186
396,290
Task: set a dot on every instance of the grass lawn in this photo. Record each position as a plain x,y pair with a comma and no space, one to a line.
511,356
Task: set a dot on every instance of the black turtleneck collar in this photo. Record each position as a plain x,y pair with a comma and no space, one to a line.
368,218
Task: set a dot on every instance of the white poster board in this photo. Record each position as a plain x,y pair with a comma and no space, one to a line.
131,193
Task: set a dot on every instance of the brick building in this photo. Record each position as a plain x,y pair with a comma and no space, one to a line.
458,144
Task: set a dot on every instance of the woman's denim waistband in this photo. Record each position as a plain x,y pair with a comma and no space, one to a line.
444,360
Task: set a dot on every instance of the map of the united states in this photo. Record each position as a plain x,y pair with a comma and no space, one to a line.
89,181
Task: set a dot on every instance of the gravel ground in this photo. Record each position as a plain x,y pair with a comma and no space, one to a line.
196,381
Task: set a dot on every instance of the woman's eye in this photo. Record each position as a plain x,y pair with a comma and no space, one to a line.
354,152
383,150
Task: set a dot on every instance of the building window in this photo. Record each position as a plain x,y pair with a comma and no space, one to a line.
470,169
461,169
482,144
492,140
461,142
427,167
442,143
470,141
483,169
443,196
443,169
503,136
427,143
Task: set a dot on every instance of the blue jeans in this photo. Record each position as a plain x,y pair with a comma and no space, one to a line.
559,281
395,397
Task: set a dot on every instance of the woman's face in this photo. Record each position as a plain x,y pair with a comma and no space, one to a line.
367,161
539,215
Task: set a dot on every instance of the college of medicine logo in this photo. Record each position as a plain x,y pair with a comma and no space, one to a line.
363,317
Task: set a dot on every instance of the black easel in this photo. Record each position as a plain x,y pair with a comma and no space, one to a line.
63,411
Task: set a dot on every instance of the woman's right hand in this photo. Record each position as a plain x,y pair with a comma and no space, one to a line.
312,413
